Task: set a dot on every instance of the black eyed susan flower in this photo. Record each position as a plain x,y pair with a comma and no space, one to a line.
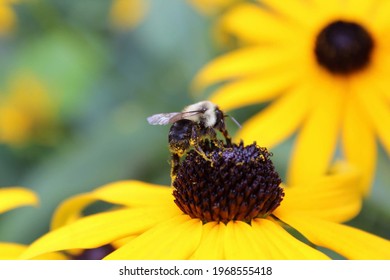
11,198
228,205
323,66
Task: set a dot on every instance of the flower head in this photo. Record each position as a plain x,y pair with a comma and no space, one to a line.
323,66
226,204
240,185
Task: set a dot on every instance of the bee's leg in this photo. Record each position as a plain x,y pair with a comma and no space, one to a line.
226,135
196,137
213,136
175,163
200,151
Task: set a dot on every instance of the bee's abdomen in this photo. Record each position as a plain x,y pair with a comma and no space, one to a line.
180,135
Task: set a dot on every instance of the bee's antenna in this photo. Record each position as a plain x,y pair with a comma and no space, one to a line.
235,121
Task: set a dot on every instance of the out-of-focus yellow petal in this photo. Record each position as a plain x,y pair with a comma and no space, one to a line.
359,9
242,62
129,193
252,90
380,22
14,197
249,23
347,241
297,11
358,142
176,238
70,210
279,120
334,197
52,256
241,243
12,251
126,14
282,245
211,246
316,141
378,110
100,229
331,7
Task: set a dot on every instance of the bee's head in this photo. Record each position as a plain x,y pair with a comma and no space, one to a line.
219,119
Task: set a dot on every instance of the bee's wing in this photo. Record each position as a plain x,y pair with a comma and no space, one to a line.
166,118
163,118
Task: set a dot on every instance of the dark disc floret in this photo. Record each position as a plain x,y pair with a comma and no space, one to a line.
233,182
344,47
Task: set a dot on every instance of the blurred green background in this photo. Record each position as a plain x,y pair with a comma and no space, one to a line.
97,83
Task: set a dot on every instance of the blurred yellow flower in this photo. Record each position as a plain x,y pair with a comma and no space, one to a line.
126,14
11,198
148,224
7,16
324,65
26,110
210,7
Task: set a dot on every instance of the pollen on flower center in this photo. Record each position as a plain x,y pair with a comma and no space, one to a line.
343,47
237,182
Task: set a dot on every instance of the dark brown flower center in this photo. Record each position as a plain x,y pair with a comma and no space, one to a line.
344,47
237,182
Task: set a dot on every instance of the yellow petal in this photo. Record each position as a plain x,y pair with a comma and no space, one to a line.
316,142
123,241
360,9
279,120
211,246
14,197
70,210
347,241
334,197
128,193
12,251
134,193
282,245
298,11
362,152
176,238
239,63
381,20
331,6
253,89
52,256
378,110
100,229
241,243
248,21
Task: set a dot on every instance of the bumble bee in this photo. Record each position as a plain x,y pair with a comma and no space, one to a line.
189,126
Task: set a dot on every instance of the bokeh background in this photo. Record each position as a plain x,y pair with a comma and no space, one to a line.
77,81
